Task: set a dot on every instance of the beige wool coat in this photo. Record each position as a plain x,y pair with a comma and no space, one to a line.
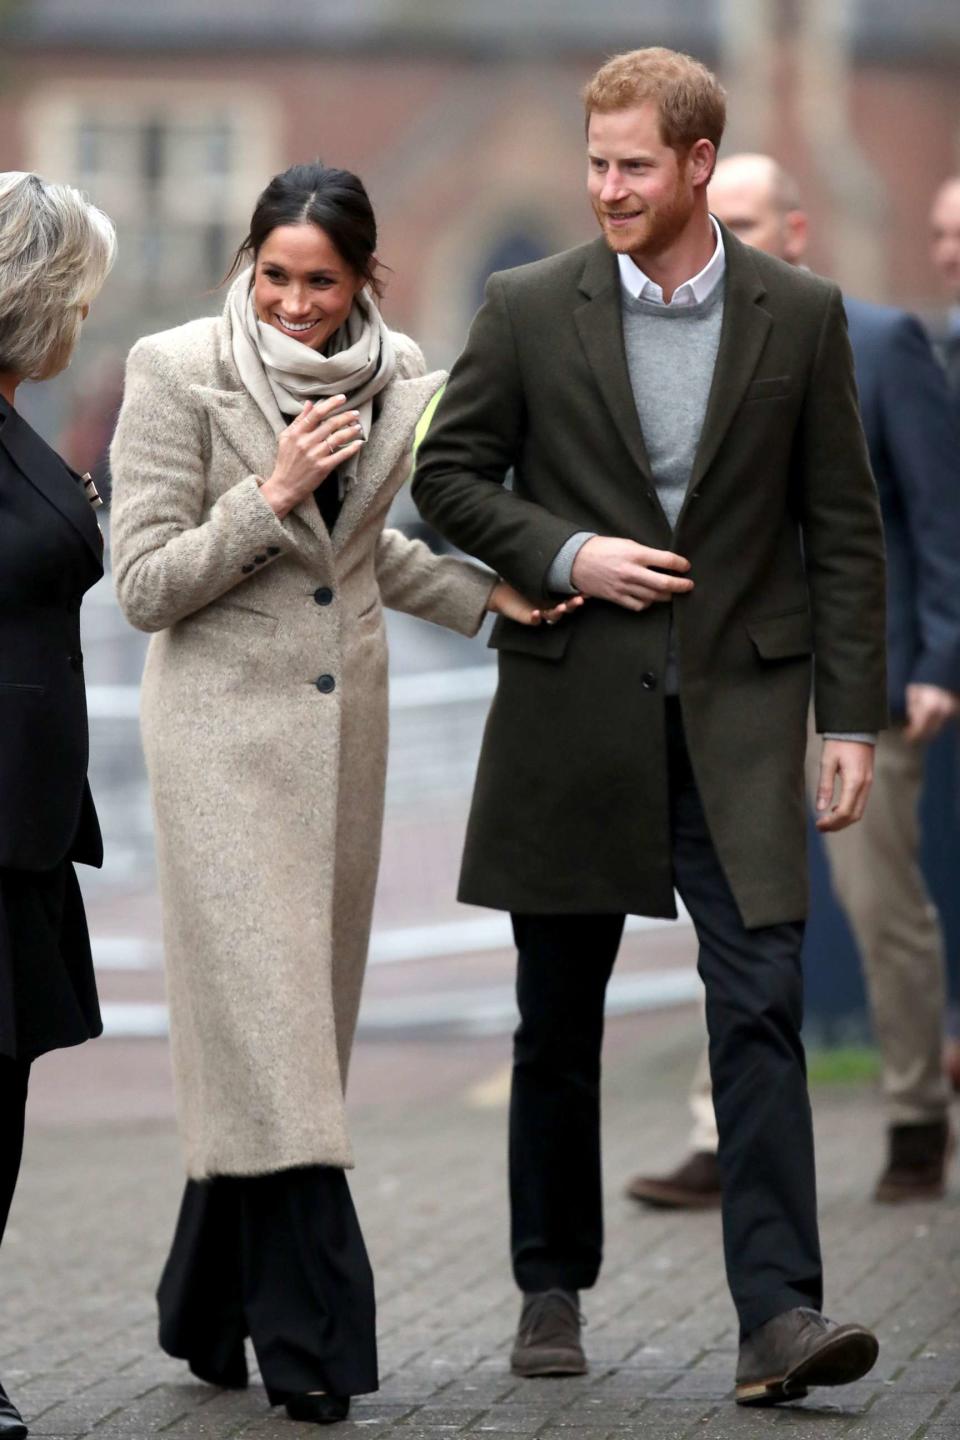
267,787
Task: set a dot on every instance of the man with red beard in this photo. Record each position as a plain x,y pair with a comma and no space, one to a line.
680,415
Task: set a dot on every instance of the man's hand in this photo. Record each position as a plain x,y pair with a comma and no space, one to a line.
622,571
928,710
851,763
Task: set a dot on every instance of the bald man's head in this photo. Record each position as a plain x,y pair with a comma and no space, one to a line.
760,202
945,235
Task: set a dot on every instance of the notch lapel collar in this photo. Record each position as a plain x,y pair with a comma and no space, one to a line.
48,473
244,427
600,324
403,402
743,335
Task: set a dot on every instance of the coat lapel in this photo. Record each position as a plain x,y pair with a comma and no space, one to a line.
403,402
54,479
243,426
742,338
600,324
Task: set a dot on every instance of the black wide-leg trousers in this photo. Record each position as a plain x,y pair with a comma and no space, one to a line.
14,1078
754,989
280,1258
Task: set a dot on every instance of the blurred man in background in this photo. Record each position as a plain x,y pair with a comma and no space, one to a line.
945,252
875,867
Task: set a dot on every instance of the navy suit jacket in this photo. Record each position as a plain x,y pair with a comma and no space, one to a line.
50,554
914,441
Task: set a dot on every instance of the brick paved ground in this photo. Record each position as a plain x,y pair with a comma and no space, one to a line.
97,1202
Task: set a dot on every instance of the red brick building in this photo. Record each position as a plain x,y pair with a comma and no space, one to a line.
463,118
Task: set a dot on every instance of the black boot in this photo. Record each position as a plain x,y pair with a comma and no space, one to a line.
11,1421
917,1163
320,1409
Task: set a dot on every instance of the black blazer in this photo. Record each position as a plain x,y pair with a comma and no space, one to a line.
914,441
51,552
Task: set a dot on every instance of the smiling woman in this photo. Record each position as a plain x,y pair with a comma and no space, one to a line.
255,461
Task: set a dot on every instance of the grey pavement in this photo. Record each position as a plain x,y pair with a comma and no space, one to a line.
98,1197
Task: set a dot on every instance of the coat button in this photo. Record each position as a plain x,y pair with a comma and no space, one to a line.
325,684
648,680
247,569
273,549
260,559
323,596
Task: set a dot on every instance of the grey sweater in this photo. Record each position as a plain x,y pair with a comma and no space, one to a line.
671,353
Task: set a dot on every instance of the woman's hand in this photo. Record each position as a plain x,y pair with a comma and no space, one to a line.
504,600
308,450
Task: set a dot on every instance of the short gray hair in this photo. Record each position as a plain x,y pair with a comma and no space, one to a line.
56,250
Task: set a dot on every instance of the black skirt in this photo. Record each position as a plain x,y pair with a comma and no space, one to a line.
48,994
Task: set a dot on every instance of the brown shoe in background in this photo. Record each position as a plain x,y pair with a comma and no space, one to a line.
694,1185
548,1336
916,1163
798,1349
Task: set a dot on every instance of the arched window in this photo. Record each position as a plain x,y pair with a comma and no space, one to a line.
518,245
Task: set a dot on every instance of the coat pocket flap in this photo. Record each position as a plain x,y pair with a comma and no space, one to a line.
236,617
548,642
769,388
782,636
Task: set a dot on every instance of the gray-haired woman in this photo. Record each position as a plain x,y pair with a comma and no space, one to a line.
55,252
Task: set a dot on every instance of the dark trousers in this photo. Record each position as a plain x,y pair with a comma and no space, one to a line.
280,1258
754,1011
14,1077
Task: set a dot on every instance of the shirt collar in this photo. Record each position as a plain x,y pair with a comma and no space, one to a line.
691,292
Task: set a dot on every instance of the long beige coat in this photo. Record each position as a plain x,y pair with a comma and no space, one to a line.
267,789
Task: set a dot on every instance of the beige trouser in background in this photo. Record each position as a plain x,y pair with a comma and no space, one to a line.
876,876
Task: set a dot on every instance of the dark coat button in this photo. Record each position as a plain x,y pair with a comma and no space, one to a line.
273,549
260,559
323,596
648,680
325,684
247,569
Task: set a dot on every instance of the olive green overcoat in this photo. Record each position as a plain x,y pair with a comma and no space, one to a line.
782,528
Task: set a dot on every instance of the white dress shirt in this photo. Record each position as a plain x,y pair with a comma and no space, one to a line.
691,292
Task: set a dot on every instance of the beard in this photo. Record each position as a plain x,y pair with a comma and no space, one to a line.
654,230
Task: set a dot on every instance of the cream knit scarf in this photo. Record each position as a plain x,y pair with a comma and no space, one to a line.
281,373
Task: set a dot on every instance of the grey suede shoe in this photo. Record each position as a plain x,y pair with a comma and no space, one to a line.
782,1359
548,1336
